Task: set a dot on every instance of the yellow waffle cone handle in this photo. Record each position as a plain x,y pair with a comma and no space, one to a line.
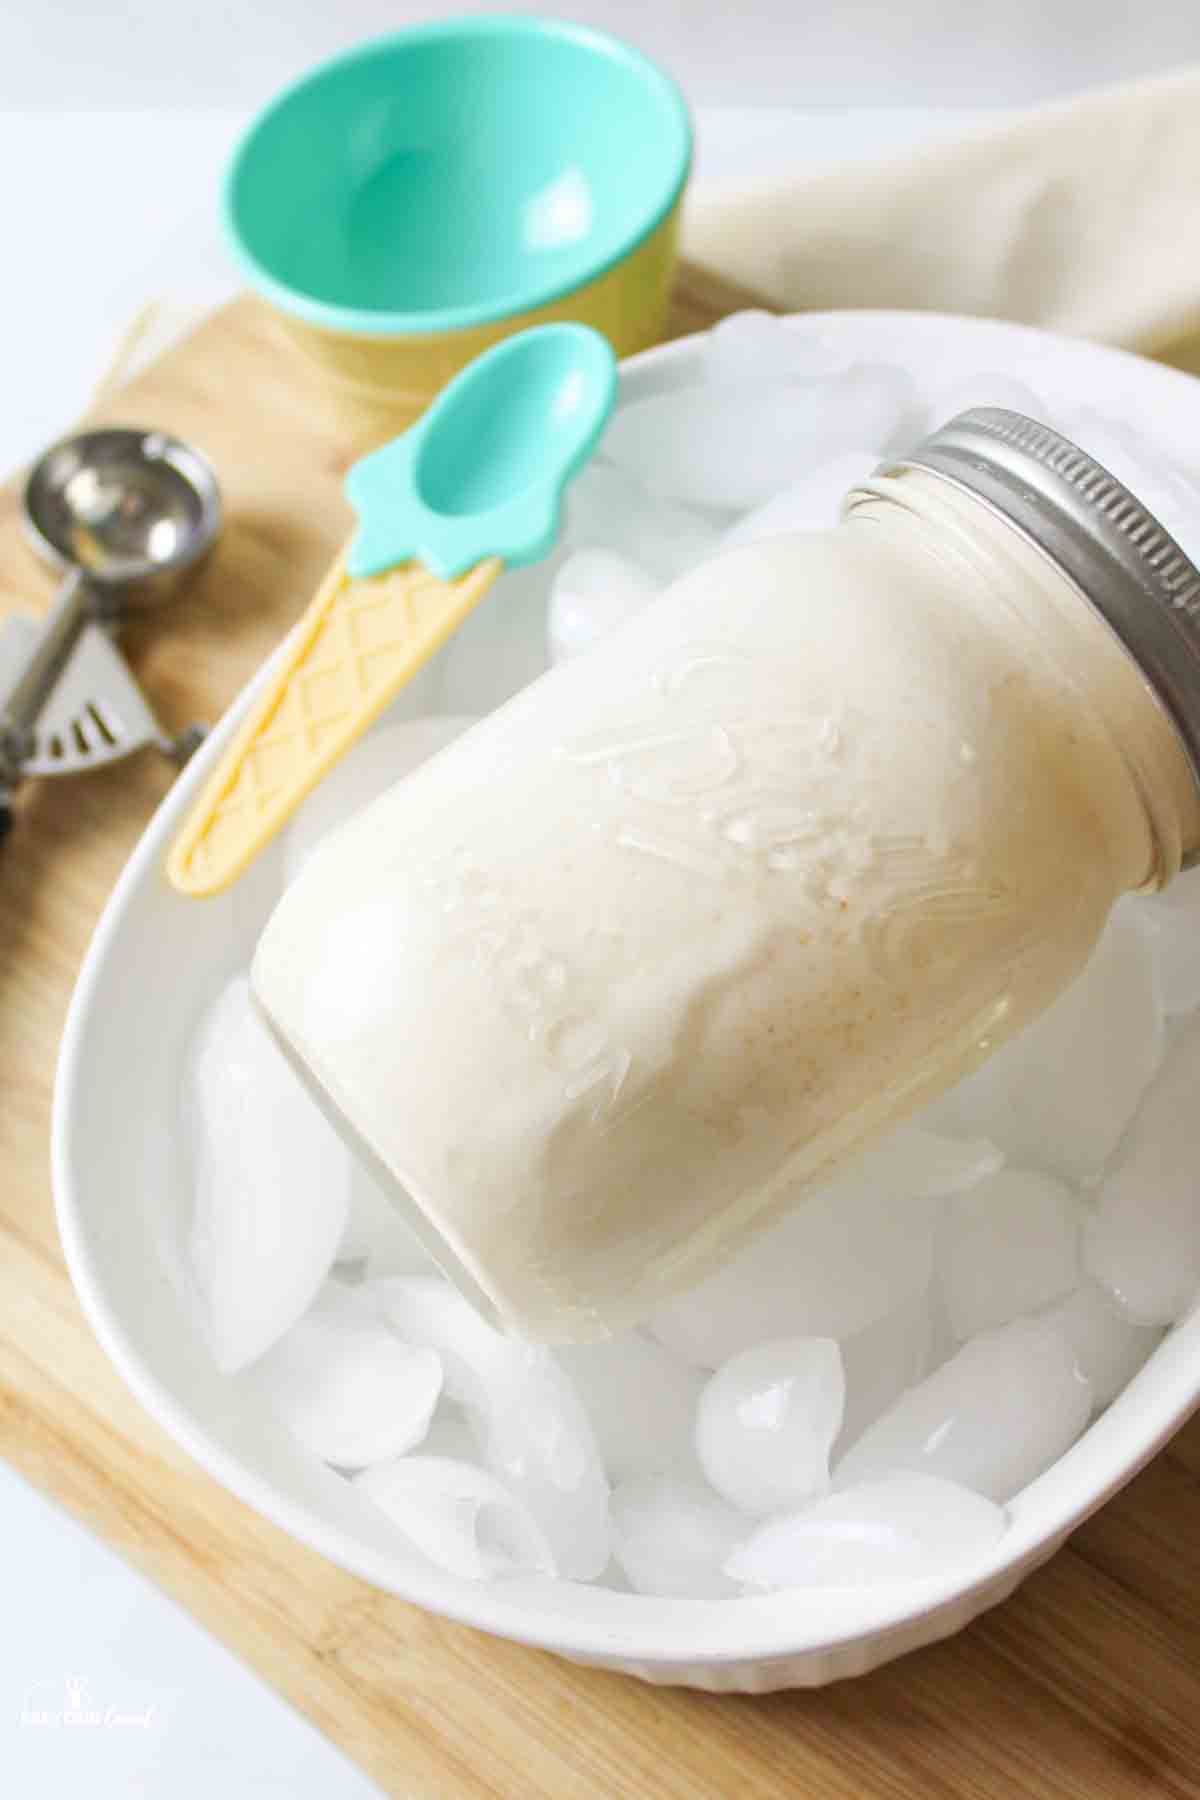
354,649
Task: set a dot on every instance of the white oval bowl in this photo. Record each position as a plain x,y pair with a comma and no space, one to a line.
121,1186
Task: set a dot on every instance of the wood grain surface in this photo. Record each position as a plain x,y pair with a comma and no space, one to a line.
1086,1685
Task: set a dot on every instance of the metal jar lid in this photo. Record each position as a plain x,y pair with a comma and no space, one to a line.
1110,546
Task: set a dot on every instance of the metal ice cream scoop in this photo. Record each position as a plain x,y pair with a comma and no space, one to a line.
125,512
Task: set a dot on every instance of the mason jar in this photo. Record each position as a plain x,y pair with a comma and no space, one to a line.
599,990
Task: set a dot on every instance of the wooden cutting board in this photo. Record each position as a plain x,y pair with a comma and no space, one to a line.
1086,1684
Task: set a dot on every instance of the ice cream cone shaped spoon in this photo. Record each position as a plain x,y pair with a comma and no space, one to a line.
473,488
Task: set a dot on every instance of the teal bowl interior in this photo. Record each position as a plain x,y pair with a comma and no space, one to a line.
455,173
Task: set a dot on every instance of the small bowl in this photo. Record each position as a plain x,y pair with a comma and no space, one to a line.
407,204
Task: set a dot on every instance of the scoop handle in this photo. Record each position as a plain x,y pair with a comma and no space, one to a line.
25,688
358,643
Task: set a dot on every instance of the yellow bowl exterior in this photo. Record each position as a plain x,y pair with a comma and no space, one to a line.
378,385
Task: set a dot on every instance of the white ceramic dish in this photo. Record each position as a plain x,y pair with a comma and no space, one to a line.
120,1186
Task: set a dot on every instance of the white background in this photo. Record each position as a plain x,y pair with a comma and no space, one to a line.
752,52
115,116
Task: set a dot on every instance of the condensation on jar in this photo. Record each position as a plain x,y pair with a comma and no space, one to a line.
603,986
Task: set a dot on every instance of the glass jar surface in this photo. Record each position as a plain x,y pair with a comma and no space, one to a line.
602,986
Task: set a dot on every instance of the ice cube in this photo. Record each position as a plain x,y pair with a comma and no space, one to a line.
345,1386
607,507
378,1235
594,592
1143,1242
993,1417
682,366
925,1163
533,1430
393,750
271,1182
1109,1348
640,1399
766,1420
759,346
1008,1247
1059,1094
875,404
461,1516
500,647
1172,919
880,1361
901,1528
991,387
810,504
734,445
844,1255
671,1534
942,1342
426,1310
450,1435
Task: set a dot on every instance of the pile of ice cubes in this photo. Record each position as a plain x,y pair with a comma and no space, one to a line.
856,1396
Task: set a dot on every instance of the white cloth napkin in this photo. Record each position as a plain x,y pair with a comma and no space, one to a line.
1083,217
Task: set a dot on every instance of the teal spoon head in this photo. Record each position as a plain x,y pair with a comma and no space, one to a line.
483,471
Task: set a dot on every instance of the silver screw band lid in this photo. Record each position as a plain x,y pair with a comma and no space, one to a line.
1102,537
